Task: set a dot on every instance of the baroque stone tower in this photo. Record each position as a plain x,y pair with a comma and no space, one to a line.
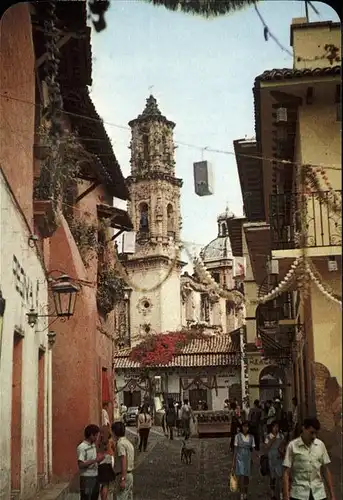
154,209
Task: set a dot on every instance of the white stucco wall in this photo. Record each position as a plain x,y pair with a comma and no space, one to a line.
171,303
14,234
216,398
165,311
146,278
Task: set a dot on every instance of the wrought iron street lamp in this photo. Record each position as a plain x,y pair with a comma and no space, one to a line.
64,293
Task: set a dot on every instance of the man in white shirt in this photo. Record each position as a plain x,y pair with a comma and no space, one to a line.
124,463
88,460
105,420
123,410
305,462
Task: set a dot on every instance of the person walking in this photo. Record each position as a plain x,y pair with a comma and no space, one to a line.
178,418
186,416
274,447
235,423
242,459
144,423
124,463
271,415
255,419
105,468
306,462
171,419
88,460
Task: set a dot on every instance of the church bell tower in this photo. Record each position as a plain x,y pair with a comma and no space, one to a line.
154,209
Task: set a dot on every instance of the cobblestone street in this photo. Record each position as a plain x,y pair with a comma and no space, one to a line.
160,474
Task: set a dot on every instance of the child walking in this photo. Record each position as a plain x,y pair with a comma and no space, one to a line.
244,445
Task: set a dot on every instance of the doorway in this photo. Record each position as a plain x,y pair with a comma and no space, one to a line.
272,383
16,417
40,412
196,395
133,398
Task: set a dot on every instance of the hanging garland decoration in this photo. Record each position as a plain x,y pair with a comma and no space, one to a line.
124,274
303,280
319,278
320,170
313,186
284,285
207,279
328,294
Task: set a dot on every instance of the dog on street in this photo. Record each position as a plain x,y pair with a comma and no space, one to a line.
186,453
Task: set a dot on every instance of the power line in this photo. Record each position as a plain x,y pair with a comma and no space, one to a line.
185,144
269,34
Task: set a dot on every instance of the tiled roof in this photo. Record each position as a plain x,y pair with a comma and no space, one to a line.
216,351
288,73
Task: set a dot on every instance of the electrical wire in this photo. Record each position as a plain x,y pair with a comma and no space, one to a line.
269,34
185,144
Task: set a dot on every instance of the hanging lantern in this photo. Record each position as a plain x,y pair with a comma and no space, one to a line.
203,178
64,294
281,115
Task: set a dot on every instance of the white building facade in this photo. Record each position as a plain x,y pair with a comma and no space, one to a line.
25,358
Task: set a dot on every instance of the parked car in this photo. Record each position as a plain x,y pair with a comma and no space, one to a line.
130,416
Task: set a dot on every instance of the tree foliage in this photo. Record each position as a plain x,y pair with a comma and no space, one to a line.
205,8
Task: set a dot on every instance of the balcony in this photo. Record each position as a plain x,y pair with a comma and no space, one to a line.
278,311
322,221
276,326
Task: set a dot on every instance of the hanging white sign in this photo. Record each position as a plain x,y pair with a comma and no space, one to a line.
129,242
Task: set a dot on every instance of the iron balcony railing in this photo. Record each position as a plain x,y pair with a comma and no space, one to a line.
270,313
319,226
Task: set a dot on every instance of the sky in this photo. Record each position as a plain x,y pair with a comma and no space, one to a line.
202,73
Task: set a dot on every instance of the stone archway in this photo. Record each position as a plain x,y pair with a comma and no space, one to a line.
272,383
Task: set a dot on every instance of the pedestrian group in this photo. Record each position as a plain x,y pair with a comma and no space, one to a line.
295,460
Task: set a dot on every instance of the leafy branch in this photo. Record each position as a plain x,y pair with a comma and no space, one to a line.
110,290
60,164
85,236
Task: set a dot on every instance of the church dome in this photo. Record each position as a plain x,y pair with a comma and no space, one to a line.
224,216
218,249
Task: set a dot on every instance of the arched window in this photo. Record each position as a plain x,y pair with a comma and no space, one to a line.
224,229
143,218
170,220
146,147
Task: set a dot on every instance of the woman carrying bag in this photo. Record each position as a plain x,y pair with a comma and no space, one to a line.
242,459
